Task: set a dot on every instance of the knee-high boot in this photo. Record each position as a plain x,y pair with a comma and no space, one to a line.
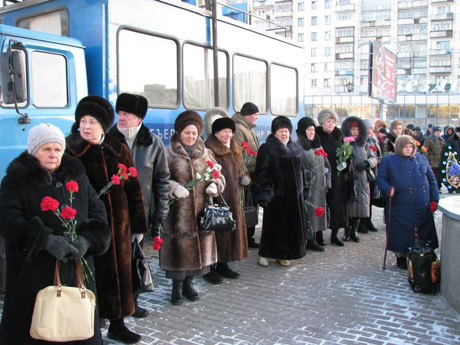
176,295
335,239
353,229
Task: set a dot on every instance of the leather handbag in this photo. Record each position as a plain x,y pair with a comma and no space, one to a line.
216,217
250,210
64,313
142,276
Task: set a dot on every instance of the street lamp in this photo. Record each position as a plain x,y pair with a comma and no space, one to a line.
350,89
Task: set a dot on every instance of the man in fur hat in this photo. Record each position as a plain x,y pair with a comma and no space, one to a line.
150,160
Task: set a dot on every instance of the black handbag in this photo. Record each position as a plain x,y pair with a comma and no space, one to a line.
216,217
250,210
142,276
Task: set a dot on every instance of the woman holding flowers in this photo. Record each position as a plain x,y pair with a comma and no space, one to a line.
231,246
43,178
318,171
361,160
106,161
187,252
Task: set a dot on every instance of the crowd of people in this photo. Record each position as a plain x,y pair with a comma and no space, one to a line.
328,178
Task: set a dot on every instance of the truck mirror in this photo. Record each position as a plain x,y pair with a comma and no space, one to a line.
12,73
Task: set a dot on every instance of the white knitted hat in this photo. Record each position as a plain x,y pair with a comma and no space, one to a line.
42,134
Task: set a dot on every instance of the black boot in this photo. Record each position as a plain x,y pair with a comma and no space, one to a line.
335,239
401,263
370,226
362,226
176,294
212,277
346,234
118,331
320,238
353,229
312,245
188,290
139,312
223,270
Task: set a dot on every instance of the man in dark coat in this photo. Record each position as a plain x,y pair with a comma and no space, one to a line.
150,160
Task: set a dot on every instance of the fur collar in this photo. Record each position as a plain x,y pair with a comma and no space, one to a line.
220,149
278,149
26,170
391,137
306,144
178,148
362,137
143,137
78,146
336,133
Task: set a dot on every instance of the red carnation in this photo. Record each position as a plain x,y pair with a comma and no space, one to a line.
68,213
133,171
122,169
156,246
158,239
72,186
49,204
373,148
210,163
115,179
215,173
433,206
319,211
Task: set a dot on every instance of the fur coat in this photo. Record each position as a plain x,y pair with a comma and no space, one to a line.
360,208
184,247
125,212
25,227
231,246
320,182
335,197
280,181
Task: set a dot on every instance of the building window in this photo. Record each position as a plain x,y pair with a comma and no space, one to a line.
328,3
300,37
314,5
314,36
327,51
326,66
313,52
313,67
327,35
327,19
301,6
313,82
314,20
300,21
327,82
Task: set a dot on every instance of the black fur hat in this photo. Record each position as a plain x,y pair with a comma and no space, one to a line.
97,107
303,124
131,103
223,123
281,122
188,118
249,108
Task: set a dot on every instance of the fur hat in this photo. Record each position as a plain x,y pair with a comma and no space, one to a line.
430,125
131,103
402,141
249,108
42,134
96,107
410,126
436,128
188,118
457,129
325,114
303,124
223,123
352,121
210,116
281,122
369,123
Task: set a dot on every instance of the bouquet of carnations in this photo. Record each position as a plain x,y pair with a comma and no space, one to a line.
122,174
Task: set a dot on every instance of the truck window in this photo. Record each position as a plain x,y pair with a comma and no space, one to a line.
49,80
56,22
249,82
199,78
7,98
148,65
283,90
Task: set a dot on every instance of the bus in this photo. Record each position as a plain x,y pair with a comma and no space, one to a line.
54,52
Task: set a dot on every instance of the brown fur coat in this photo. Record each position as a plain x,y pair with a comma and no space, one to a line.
184,248
125,212
231,246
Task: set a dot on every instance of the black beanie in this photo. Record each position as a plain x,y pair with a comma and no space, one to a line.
131,103
303,124
249,109
97,107
223,123
281,122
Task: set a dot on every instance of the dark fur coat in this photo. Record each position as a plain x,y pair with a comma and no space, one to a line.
25,227
335,197
184,247
125,212
280,181
231,246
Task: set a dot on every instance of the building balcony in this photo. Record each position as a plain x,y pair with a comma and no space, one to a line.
437,34
349,7
412,4
441,69
344,72
442,16
343,56
437,1
439,52
349,39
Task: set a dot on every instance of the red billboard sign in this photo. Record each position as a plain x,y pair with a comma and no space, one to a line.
382,73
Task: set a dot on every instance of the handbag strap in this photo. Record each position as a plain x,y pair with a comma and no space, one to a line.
79,274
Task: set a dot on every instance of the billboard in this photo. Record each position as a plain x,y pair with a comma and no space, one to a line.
382,72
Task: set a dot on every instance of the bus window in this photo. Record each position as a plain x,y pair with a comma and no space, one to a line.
199,78
249,82
148,65
49,80
56,23
283,90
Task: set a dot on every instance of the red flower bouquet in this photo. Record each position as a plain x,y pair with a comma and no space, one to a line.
122,174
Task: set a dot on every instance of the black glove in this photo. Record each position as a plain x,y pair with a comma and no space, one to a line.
59,247
263,203
363,166
82,244
156,226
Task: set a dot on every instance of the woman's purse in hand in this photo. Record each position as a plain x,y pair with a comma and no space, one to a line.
216,217
142,276
250,210
64,313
